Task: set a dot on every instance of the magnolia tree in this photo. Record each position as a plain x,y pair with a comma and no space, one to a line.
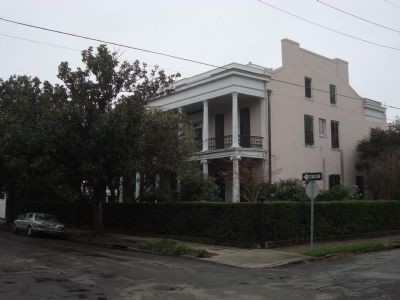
93,128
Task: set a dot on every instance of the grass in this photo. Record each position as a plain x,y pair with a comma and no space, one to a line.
355,247
171,247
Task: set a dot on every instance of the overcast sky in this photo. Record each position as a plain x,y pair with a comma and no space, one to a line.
214,31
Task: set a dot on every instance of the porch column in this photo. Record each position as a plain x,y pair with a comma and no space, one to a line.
263,123
205,167
235,179
137,185
235,134
205,125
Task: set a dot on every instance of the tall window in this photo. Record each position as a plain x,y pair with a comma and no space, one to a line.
322,127
309,130
335,134
332,93
308,87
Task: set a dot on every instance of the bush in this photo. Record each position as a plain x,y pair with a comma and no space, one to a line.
195,187
285,220
340,192
289,189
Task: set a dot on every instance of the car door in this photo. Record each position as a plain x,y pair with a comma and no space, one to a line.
27,221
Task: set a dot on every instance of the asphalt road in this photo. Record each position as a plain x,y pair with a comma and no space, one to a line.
43,268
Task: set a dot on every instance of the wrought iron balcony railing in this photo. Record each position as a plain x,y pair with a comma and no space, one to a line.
244,141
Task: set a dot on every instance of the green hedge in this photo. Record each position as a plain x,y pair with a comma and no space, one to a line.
236,222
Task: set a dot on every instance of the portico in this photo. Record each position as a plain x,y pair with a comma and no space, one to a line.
227,109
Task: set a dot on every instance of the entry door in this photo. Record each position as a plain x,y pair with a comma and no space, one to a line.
245,127
219,131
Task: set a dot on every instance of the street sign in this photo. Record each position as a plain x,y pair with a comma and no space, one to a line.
312,176
312,189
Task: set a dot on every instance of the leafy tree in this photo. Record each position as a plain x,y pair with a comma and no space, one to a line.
31,137
379,155
167,139
92,129
107,102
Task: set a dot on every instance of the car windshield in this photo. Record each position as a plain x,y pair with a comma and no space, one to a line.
48,218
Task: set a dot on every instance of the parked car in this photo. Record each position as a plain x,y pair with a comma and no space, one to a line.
32,223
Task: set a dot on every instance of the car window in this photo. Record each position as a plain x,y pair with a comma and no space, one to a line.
48,218
29,216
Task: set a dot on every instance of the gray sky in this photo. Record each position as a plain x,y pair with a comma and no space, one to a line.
213,31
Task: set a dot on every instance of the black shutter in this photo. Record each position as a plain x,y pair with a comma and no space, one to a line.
309,130
245,127
334,180
332,92
335,134
360,183
219,131
307,85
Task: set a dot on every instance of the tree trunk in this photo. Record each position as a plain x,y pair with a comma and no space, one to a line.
99,195
10,203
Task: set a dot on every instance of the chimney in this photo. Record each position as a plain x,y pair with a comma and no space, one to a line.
342,68
290,50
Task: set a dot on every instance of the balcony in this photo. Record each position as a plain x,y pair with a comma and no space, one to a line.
247,142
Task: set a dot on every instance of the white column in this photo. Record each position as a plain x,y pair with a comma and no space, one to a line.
205,125
137,185
263,123
235,179
205,167
235,131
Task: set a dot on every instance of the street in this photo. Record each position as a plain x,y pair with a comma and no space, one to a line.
45,268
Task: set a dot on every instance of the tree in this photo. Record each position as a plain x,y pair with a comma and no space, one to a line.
379,156
31,136
167,139
107,101
92,129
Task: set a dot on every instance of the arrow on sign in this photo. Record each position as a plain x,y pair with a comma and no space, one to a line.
311,176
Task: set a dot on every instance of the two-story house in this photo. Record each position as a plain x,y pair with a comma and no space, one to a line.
301,117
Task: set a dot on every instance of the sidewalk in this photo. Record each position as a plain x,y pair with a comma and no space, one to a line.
234,256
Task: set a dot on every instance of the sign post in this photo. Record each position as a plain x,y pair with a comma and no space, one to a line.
312,191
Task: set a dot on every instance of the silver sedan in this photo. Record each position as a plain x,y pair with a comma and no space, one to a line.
32,223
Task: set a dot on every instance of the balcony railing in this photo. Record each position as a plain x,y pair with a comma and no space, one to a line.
248,142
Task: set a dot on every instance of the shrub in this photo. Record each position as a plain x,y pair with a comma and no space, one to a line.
195,187
289,189
340,192
167,247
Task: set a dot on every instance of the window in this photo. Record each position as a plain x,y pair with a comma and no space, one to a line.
309,130
334,180
332,93
307,86
322,127
335,134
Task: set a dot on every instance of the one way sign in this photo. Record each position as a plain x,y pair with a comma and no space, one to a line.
312,176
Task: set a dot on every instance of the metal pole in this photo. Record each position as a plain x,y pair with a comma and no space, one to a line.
269,137
312,223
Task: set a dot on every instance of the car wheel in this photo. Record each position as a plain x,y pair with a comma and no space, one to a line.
14,228
29,231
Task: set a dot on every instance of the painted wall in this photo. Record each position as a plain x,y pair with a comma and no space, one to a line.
289,105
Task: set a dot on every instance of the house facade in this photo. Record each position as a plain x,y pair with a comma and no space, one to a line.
301,117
